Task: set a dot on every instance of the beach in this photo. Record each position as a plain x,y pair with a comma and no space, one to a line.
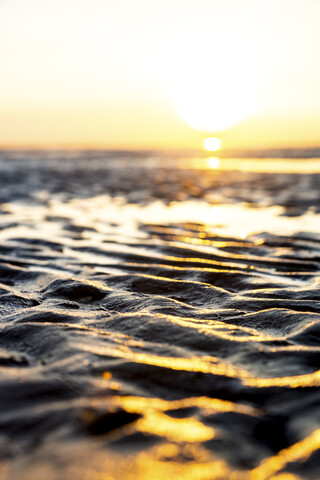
160,316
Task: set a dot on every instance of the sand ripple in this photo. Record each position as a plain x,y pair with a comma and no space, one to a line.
151,349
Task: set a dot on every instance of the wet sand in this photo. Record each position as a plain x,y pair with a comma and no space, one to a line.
160,318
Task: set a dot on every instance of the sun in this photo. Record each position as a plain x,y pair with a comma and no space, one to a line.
212,104
212,90
211,144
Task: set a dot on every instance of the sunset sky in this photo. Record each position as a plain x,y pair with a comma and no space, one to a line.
159,74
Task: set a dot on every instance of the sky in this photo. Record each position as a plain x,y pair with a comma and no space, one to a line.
159,74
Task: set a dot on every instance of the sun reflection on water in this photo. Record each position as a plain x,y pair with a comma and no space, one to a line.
254,165
214,162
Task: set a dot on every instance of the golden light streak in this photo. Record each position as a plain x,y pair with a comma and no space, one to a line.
298,451
175,429
308,380
142,404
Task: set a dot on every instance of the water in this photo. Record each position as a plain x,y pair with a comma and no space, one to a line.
159,317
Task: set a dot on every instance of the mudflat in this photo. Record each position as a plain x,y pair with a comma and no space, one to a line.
158,319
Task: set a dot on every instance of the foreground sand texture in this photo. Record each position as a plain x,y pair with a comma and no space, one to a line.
157,321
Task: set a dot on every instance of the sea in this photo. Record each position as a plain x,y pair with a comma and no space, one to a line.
159,315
